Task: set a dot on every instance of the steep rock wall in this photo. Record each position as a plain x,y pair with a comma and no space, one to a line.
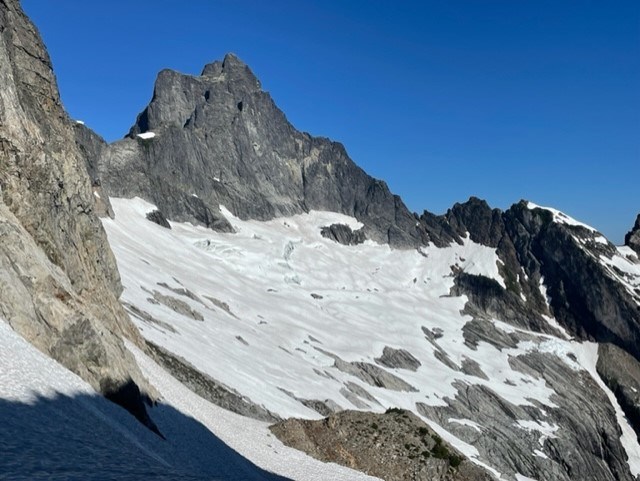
59,284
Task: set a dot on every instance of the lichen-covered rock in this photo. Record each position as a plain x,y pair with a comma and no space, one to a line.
59,284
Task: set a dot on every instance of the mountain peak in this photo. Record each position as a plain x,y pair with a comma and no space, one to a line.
234,70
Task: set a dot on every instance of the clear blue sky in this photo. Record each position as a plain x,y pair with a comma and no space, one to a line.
442,99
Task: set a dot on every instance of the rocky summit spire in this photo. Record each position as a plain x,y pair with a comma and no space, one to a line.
235,70
218,139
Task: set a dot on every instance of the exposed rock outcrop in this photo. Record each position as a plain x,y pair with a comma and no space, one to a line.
343,234
574,439
158,217
621,372
539,253
398,358
208,388
632,239
585,295
59,285
91,145
395,446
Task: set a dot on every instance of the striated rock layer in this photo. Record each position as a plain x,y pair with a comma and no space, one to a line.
59,284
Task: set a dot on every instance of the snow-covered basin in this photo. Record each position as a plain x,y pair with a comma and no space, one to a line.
296,299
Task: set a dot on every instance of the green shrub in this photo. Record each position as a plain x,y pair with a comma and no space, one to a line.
394,411
455,460
439,451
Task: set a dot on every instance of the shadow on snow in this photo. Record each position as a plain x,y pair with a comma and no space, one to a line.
86,437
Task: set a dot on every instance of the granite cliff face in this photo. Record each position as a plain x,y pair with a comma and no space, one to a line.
59,284
583,289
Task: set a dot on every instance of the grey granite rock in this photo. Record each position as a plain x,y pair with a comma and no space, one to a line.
220,139
158,217
207,387
178,306
59,284
398,358
621,372
369,373
343,234
322,407
91,146
374,375
585,297
576,437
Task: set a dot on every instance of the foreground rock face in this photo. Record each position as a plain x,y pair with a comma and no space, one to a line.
59,285
221,140
396,446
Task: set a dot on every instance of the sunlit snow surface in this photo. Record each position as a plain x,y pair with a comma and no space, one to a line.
295,300
146,135
562,218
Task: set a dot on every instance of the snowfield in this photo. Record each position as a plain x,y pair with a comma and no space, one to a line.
284,316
